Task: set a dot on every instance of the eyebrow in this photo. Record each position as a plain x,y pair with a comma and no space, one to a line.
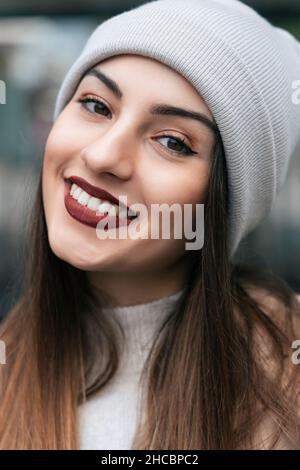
158,109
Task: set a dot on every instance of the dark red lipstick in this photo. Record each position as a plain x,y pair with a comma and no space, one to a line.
87,216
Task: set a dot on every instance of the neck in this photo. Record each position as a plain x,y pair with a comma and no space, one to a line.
140,323
130,288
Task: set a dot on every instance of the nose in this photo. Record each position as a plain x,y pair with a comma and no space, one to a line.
113,151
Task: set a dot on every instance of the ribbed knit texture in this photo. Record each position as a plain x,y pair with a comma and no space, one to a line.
242,66
107,421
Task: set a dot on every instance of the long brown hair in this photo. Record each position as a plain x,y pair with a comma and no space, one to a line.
220,362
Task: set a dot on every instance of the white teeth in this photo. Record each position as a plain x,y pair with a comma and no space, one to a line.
93,203
107,207
114,210
83,198
76,193
74,186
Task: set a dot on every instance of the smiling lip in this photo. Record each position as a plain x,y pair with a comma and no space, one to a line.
94,190
85,215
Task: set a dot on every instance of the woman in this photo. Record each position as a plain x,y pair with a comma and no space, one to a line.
140,342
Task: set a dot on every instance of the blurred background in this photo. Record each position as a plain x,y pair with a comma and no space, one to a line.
38,43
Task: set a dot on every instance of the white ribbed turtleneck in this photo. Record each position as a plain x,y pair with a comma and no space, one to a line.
107,421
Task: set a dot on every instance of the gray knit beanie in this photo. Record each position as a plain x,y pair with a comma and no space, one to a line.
245,69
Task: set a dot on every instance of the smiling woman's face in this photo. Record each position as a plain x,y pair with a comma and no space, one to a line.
119,146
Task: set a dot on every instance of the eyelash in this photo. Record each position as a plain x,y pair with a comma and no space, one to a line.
189,151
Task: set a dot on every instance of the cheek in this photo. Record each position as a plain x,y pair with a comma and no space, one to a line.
65,141
182,184
61,145
179,185
62,142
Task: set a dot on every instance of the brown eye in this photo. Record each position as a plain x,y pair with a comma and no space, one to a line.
96,106
177,145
